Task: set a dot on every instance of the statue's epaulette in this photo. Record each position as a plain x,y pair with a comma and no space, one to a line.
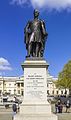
42,21
30,21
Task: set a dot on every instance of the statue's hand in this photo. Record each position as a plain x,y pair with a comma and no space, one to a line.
46,34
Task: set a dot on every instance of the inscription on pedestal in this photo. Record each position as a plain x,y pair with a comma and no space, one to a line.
35,84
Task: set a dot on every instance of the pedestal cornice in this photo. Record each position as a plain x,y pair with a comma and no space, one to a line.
35,63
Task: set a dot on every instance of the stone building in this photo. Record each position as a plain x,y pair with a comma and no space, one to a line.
11,85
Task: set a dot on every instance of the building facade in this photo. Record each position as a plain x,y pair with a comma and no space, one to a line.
11,85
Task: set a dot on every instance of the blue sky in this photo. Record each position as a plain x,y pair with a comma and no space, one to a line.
14,15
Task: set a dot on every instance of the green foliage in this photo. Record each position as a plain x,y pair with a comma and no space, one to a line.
64,77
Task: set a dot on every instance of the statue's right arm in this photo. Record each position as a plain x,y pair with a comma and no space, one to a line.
26,29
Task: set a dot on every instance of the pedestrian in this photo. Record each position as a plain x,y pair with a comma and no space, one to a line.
56,107
67,106
17,101
18,107
59,102
61,107
14,108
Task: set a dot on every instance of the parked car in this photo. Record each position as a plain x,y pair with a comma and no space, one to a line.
63,98
50,98
4,98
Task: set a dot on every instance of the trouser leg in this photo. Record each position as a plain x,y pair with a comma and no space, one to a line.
37,49
29,50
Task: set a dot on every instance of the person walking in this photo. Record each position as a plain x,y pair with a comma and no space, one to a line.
14,108
61,107
67,106
56,107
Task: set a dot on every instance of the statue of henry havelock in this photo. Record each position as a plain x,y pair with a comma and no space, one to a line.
35,36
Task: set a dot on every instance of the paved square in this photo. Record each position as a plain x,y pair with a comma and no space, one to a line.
6,114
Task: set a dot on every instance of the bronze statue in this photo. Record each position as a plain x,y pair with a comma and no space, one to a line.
35,36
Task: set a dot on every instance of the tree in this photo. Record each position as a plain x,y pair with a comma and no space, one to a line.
64,77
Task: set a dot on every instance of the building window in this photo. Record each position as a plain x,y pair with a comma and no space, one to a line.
5,91
47,85
4,84
10,91
65,92
18,91
0,84
22,92
0,92
9,84
18,84
57,92
15,84
61,92
48,92
53,92
22,84
14,91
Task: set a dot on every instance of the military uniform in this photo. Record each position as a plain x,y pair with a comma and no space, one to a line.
35,34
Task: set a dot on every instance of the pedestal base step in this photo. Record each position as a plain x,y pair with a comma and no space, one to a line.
36,117
35,108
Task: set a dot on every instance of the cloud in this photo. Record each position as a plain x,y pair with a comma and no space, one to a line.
49,4
4,64
19,2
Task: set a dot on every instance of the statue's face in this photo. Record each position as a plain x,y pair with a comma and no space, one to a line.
36,13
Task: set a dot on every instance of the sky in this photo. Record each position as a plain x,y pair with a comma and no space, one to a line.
14,15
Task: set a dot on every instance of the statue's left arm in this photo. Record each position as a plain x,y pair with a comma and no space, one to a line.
45,34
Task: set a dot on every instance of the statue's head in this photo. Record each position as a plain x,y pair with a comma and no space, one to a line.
36,13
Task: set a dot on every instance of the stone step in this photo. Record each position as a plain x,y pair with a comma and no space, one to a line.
36,117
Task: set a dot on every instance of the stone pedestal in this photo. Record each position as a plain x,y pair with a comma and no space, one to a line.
35,105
